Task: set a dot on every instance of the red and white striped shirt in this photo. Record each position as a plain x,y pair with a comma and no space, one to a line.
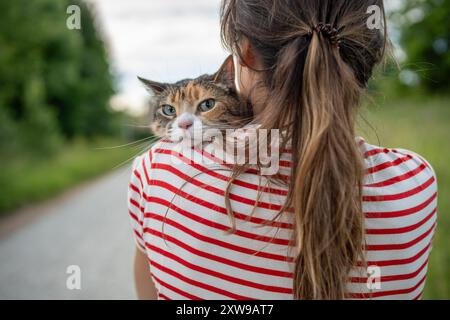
179,218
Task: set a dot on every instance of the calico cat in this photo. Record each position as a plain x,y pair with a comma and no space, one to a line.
181,109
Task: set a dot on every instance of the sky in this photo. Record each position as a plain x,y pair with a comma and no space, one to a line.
162,40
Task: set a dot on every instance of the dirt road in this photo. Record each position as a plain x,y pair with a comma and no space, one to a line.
87,227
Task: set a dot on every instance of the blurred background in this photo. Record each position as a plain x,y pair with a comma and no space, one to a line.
73,115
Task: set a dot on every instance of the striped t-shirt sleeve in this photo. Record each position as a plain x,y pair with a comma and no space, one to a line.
135,202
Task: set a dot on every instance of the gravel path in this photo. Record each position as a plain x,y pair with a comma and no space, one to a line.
87,227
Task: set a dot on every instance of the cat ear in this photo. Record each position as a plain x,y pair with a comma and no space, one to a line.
226,72
153,87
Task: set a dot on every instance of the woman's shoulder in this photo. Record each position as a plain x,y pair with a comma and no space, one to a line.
147,156
160,153
397,171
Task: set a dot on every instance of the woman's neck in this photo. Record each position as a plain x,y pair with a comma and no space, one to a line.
258,99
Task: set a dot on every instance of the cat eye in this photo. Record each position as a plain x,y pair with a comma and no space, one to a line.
168,110
206,105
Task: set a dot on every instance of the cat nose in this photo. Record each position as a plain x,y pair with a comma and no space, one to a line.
185,122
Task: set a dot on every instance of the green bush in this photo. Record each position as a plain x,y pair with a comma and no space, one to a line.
56,82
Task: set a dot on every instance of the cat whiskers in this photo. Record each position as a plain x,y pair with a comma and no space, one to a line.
142,146
126,145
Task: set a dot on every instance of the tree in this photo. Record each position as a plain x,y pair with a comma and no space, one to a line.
81,98
55,83
425,38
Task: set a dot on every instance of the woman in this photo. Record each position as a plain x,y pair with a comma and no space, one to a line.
362,218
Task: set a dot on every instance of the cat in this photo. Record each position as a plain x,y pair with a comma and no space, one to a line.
179,110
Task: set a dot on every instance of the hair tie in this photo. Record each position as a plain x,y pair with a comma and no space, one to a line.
328,31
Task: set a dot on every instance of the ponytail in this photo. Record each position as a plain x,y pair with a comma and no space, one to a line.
328,176
315,74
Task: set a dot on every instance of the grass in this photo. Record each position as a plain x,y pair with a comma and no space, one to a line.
29,179
423,126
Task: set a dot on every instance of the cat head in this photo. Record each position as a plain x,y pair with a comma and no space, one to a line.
207,102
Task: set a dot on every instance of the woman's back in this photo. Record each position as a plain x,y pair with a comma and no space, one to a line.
177,206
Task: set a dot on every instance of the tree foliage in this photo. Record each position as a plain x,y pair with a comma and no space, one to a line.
55,83
425,38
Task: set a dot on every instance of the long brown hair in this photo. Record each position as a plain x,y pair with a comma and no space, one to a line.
318,57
